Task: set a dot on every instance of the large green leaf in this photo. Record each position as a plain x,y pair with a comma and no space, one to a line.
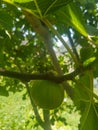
5,20
51,5
71,15
85,102
81,94
89,118
42,7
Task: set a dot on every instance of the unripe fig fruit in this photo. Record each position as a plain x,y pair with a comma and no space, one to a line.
47,94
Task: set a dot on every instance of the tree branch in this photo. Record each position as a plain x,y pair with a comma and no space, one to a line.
43,31
38,118
48,76
46,115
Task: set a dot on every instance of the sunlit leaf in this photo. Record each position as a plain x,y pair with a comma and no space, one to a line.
90,60
76,19
71,15
21,1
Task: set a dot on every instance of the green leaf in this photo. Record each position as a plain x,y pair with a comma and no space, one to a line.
42,7
95,66
5,20
88,50
21,1
92,30
71,15
80,94
85,103
76,18
3,91
86,1
89,61
89,118
51,5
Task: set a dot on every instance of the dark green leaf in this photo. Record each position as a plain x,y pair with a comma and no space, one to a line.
6,21
89,118
3,91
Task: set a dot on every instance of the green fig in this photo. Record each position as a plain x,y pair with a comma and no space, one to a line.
47,94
